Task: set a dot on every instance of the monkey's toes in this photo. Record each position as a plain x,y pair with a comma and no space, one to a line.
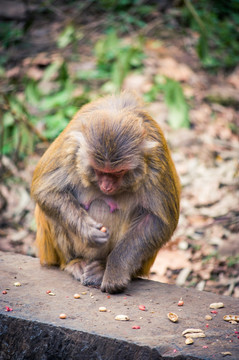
93,274
76,268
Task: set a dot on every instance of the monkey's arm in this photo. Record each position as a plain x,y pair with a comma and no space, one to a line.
137,248
151,227
53,193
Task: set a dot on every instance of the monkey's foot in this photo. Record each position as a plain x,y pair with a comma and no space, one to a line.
76,268
93,274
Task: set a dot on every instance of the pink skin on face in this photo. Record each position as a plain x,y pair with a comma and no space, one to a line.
108,179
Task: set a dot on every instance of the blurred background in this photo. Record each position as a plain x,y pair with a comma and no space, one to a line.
182,58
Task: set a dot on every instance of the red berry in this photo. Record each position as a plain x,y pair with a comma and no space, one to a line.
142,307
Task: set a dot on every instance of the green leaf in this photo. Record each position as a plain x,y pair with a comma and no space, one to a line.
66,37
202,47
176,103
59,99
55,124
32,92
8,119
52,70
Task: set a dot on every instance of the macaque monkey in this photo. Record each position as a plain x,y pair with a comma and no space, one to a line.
107,194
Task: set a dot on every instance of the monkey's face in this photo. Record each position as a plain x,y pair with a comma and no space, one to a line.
109,181
111,155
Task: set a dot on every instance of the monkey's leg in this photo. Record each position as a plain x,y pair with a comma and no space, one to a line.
134,251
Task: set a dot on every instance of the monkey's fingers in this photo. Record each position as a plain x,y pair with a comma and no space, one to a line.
101,239
98,238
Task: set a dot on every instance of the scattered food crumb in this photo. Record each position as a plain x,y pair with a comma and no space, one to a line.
225,353
77,296
193,333
62,316
189,341
231,318
216,305
173,317
102,309
122,318
181,302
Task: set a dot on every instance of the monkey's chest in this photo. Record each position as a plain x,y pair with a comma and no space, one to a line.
105,211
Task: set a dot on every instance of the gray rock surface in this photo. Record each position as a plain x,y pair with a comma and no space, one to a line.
33,329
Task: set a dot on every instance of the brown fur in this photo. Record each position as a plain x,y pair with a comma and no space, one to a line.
111,134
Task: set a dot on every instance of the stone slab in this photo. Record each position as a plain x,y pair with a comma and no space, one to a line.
33,329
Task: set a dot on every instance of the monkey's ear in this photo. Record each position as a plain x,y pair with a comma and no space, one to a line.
79,138
82,150
148,146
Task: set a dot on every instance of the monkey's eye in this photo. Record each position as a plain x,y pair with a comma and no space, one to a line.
119,173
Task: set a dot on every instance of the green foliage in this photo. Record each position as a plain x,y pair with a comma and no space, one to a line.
17,137
70,35
124,15
232,260
174,98
114,60
119,4
10,33
48,104
217,23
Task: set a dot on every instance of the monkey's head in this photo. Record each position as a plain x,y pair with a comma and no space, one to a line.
112,150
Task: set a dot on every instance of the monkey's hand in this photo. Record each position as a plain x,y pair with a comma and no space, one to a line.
115,278
94,233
